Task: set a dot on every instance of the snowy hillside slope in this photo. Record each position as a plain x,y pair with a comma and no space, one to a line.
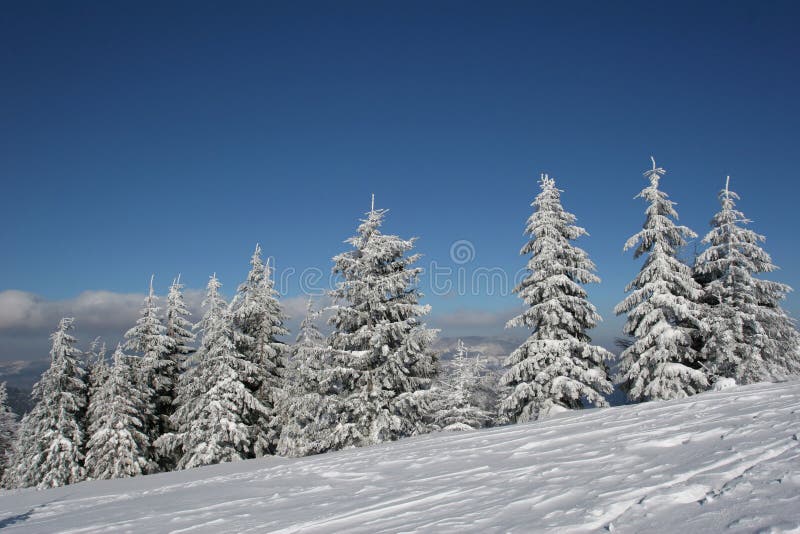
719,461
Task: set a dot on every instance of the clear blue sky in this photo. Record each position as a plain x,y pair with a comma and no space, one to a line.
167,137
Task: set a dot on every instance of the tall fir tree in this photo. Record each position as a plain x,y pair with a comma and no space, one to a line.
258,321
155,371
664,316
118,446
383,361
49,451
457,409
557,367
8,428
217,417
310,404
750,337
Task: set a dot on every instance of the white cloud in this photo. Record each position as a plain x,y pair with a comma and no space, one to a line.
26,319
101,309
19,309
473,321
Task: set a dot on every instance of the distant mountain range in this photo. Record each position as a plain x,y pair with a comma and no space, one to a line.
20,376
494,350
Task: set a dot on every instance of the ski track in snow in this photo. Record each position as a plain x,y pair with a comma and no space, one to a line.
726,460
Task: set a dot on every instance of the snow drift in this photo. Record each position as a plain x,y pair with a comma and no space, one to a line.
727,460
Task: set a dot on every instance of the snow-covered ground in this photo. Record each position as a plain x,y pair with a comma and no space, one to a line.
727,460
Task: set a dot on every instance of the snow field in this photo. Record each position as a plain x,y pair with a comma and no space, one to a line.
718,461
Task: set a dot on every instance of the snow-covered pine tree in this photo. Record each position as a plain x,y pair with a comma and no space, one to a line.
49,450
258,323
310,404
664,316
557,367
216,412
178,328
97,371
458,409
488,395
783,340
117,446
8,428
155,371
21,456
750,338
96,364
383,361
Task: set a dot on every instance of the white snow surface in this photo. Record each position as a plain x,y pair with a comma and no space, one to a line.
719,461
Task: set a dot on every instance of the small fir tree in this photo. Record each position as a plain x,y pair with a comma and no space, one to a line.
8,428
22,456
457,408
178,328
154,371
96,365
97,371
118,445
309,401
258,321
217,414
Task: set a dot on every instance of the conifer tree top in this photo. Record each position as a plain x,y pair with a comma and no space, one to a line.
178,327
731,244
659,233
309,334
147,336
63,341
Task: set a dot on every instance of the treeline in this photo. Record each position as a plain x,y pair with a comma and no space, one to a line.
177,395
